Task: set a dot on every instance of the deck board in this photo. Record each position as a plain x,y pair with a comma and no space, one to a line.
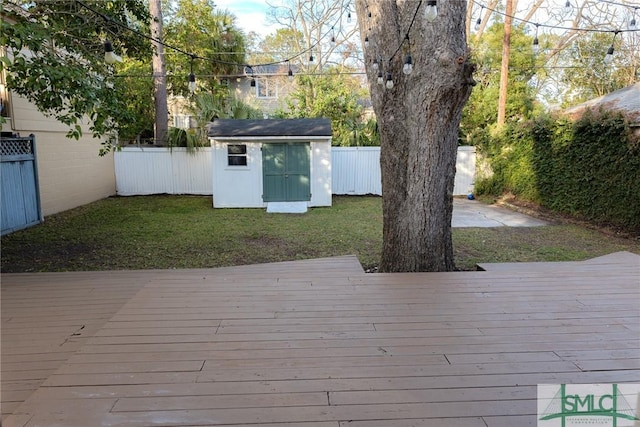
316,343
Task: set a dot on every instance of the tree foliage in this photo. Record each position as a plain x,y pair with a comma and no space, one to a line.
337,97
197,27
482,108
319,22
588,75
55,58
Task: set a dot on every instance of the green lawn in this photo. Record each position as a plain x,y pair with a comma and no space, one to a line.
186,232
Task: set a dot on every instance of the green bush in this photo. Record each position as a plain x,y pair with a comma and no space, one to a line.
589,168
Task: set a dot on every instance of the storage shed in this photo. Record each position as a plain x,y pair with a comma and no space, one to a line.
283,165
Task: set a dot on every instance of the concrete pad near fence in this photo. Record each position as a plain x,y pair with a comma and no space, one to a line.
471,213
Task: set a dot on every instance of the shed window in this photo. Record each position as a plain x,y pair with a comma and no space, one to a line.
237,154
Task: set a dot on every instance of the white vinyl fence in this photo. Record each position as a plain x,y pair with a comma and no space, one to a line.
354,171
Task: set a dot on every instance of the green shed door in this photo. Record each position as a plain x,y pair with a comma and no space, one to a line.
286,172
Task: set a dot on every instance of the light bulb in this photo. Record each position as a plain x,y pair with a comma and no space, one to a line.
333,40
633,25
366,42
609,56
408,66
109,56
431,11
389,83
311,58
349,17
478,23
253,82
375,64
536,45
380,80
192,82
567,7
290,75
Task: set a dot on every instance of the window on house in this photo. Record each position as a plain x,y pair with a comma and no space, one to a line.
182,121
237,155
266,88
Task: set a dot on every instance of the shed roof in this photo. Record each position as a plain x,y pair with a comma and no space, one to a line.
270,127
626,100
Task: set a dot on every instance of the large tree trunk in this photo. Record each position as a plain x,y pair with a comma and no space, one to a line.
418,120
161,127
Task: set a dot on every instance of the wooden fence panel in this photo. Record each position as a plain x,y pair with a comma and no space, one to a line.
19,180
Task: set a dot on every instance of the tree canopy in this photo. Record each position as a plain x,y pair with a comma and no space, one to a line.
200,29
481,110
55,58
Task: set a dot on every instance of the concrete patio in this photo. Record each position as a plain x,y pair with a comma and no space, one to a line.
313,343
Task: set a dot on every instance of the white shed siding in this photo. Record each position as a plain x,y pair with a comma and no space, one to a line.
228,179
321,182
237,186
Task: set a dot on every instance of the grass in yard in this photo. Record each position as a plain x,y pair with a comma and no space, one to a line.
186,232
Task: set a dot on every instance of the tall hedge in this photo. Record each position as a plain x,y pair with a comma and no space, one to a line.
589,168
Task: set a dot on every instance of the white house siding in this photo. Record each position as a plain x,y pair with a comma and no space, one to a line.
143,171
353,171
71,173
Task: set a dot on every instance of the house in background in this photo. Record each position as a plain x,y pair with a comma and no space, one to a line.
283,165
266,87
626,100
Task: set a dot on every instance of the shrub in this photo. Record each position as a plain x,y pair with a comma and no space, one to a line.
589,168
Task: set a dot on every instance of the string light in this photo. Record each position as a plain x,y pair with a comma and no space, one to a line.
109,56
567,7
375,64
192,79
366,41
479,20
632,24
431,11
380,81
290,73
608,58
389,83
536,42
408,65
555,27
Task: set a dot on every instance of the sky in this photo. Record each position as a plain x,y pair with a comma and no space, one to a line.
251,14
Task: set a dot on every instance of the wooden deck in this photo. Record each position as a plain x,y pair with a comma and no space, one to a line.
313,343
